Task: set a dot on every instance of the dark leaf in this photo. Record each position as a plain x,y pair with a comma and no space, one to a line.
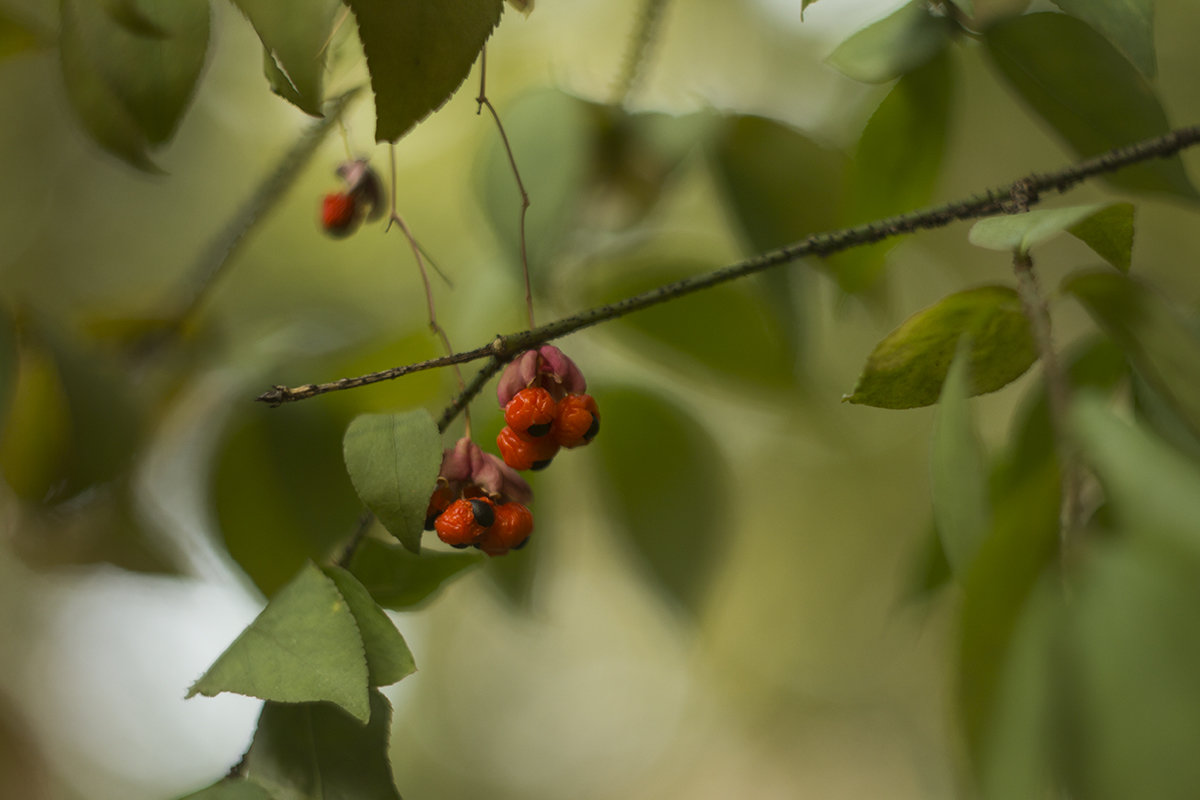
400,580
1129,24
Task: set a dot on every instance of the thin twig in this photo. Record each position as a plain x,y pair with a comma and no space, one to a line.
638,53
483,101
1027,190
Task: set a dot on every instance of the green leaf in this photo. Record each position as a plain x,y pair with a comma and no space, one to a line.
803,5
724,332
1009,563
295,35
151,78
399,580
388,657
232,789
667,487
893,46
15,37
9,364
280,492
907,368
393,461
896,164
959,483
965,6
305,646
1129,24
1019,233
1153,488
1088,92
1163,345
418,53
1135,653
315,751
129,14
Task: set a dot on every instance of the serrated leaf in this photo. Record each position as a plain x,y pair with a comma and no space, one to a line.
295,35
418,54
961,508
907,368
315,751
1109,232
896,164
1154,489
893,46
401,581
1129,24
1088,92
393,461
1019,233
669,509
151,78
232,789
279,490
388,657
1163,345
305,646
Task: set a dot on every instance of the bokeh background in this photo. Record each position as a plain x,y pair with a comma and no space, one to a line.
788,653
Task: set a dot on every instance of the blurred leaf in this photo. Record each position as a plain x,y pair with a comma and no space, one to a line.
524,6
1162,418
965,6
232,789
961,507
803,5
393,461
552,138
1163,345
896,164
724,330
37,435
305,646
129,14
1105,227
1083,88
666,482
1135,642
1129,24
1022,543
399,580
388,657
15,37
1154,489
315,751
152,78
280,491
907,368
929,569
295,35
513,577
418,53
780,185
893,46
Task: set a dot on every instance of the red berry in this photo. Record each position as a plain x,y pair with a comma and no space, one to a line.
339,214
578,420
531,411
464,521
514,523
442,497
521,452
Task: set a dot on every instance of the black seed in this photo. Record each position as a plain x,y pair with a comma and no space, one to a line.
592,430
541,464
485,515
460,546
431,520
538,430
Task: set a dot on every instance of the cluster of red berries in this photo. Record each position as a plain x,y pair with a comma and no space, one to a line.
546,407
361,198
479,502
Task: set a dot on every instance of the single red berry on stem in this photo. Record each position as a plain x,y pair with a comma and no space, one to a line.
531,412
464,521
339,214
514,523
578,421
522,452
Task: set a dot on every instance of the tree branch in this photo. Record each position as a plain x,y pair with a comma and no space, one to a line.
1016,196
